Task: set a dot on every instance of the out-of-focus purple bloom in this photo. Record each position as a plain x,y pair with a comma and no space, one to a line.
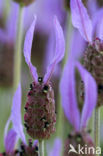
94,7
77,50
56,150
82,21
79,13
45,11
98,23
68,92
8,34
59,50
10,139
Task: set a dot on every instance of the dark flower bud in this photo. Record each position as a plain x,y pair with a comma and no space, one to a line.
75,140
40,117
24,2
93,62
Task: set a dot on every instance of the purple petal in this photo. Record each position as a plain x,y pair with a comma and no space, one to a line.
94,7
81,20
90,95
68,94
77,50
98,23
59,50
16,114
56,148
10,141
27,49
100,30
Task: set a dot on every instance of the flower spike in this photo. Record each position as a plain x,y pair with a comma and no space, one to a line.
27,50
90,94
59,50
16,114
81,20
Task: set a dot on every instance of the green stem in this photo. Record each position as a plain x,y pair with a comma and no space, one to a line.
68,38
18,49
97,127
7,6
41,148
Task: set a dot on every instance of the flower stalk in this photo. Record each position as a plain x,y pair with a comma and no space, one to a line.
18,49
97,127
41,148
6,9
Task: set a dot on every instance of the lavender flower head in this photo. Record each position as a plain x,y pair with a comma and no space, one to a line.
40,117
93,56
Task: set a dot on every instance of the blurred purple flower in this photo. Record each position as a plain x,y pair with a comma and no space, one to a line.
58,55
10,142
45,11
83,23
94,7
68,89
8,34
57,147
10,139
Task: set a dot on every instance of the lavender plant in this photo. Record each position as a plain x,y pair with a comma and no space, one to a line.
92,56
69,103
40,114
